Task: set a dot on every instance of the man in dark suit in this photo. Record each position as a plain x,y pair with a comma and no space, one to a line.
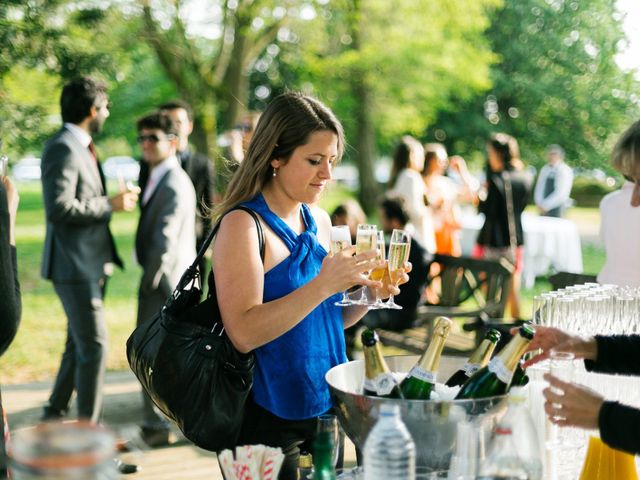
79,250
166,236
198,167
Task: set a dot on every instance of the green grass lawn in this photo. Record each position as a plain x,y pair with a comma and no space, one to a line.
35,354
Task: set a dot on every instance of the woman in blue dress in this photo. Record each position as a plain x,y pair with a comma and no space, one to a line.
282,308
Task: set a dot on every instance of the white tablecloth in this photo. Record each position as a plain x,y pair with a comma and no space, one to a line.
548,242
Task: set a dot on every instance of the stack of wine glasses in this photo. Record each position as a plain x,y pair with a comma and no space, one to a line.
369,237
590,309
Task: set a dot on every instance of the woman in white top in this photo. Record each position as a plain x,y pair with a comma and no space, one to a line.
406,182
620,217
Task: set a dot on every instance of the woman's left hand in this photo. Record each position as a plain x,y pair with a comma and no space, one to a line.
388,288
577,406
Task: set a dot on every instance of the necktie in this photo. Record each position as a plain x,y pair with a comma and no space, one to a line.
92,149
94,154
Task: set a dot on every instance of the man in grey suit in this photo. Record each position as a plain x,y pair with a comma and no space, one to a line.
79,251
166,236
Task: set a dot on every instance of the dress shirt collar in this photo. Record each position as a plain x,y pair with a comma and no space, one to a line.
156,175
81,134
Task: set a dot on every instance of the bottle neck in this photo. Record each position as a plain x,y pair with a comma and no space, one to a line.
430,360
483,353
510,355
374,363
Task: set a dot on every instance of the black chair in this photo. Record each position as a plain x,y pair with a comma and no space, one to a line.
468,288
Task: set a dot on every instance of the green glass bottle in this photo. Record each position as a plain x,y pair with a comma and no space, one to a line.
323,468
495,378
478,359
378,379
421,379
520,378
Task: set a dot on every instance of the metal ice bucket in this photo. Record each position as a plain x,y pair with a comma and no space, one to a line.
432,423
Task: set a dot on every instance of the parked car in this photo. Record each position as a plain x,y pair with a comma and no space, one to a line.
121,167
26,169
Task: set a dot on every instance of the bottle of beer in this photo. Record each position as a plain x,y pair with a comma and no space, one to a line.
378,379
323,468
495,378
421,379
478,359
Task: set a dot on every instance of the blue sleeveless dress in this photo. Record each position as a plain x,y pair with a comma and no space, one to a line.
289,375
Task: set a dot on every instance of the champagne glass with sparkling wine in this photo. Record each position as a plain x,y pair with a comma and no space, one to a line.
340,240
398,256
365,241
377,274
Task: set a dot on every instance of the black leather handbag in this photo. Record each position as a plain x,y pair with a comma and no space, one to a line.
186,363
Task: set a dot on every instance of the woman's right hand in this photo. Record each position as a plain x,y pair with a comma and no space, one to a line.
550,338
343,270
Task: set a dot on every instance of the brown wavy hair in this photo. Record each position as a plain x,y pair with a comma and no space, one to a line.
286,124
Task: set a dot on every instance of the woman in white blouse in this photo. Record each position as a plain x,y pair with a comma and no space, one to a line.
406,182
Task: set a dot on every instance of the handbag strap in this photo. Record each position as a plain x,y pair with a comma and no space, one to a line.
511,217
193,272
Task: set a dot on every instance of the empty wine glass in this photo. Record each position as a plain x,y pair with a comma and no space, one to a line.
340,240
365,241
398,255
377,274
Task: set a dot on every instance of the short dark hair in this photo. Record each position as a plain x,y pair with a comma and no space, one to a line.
175,105
158,120
78,96
394,209
507,149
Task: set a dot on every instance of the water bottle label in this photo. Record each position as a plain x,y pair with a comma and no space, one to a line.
496,365
470,368
383,384
422,374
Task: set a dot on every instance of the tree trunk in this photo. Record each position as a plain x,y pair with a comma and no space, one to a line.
366,150
365,130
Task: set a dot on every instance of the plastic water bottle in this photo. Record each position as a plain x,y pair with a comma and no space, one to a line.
524,431
389,451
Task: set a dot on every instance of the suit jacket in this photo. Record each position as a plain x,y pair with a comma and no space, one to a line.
201,172
165,239
78,241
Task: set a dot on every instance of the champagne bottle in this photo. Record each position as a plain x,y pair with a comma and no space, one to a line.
323,468
378,379
305,466
478,359
494,379
520,378
421,379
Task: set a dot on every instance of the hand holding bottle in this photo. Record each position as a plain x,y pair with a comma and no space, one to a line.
550,338
576,406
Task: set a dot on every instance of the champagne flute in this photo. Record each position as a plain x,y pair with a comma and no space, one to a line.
340,240
377,274
398,256
365,241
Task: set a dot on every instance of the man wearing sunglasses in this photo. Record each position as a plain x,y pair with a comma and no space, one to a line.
79,250
198,167
165,239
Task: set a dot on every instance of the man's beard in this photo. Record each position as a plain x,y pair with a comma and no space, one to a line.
96,125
